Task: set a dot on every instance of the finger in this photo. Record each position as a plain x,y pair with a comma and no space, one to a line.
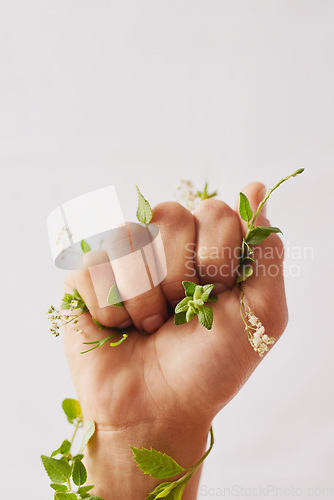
178,232
93,283
218,240
133,263
266,285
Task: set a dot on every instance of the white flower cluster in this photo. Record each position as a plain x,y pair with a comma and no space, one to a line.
257,338
186,194
57,319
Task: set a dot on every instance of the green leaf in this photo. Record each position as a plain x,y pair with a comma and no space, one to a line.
207,289
78,457
57,470
85,247
182,305
161,487
189,288
88,433
245,210
205,316
59,487
72,409
79,473
65,496
180,318
174,490
97,323
260,233
198,292
144,210
189,315
176,493
114,298
244,273
213,298
155,463
65,447
84,489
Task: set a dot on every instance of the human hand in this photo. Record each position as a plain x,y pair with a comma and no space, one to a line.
163,390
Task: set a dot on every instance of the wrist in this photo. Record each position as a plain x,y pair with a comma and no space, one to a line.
114,472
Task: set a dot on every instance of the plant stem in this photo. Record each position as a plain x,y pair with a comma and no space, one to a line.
269,192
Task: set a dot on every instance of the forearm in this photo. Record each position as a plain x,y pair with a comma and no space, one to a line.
114,472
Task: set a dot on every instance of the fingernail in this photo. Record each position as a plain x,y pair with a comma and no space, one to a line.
219,288
152,323
125,324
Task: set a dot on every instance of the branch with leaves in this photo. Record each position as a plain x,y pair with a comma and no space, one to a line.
162,466
68,474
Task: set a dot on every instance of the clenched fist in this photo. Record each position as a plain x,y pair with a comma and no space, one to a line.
163,390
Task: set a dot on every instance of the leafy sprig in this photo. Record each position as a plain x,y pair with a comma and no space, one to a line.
255,234
194,304
68,474
74,301
204,195
161,466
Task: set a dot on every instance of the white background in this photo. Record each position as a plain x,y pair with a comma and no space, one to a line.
148,92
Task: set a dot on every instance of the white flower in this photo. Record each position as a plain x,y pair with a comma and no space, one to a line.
253,320
257,342
260,330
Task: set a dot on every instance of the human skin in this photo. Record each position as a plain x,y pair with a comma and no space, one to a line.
163,390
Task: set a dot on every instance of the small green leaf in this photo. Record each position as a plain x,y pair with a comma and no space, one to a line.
88,433
79,473
72,409
205,316
84,489
65,447
155,463
244,273
180,318
144,210
245,210
59,487
65,496
298,171
207,289
213,298
176,493
189,288
160,488
78,457
182,305
57,470
97,323
85,247
198,292
189,315
260,233
114,298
